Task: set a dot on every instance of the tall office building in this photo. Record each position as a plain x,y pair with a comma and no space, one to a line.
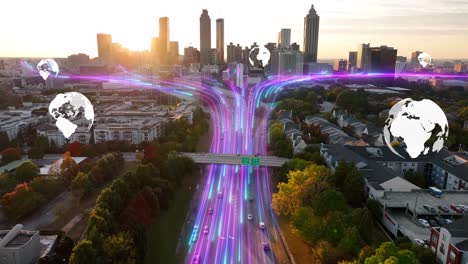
311,34
191,55
164,40
340,65
234,53
414,59
382,59
363,57
352,59
287,62
205,38
173,52
154,49
284,38
220,40
104,42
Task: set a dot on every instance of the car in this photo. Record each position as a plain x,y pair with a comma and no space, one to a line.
432,222
210,210
205,230
429,208
249,216
444,209
262,225
266,246
448,221
457,208
196,259
220,194
464,207
251,199
440,220
424,222
420,242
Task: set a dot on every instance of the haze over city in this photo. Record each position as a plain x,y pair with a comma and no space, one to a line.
58,30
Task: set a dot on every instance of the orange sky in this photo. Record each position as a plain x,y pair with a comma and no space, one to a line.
59,28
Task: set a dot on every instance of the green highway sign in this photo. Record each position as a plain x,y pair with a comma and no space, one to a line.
245,161
255,161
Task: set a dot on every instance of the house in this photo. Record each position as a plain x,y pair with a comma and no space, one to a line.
46,169
450,243
11,167
335,134
298,143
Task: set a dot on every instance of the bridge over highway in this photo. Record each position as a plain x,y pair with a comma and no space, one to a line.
214,158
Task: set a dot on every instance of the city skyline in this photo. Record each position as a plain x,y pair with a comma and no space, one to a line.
436,27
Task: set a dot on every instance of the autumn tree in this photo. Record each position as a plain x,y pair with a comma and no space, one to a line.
82,185
120,249
9,155
22,201
301,188
68,168
388,252
74,149
85,253
49,188
7,183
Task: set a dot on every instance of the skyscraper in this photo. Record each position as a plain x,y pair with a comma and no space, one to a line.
220,40
382,59
284,38
164,40
191,55
414,59
352,59
104,42
154,49
311,33
173,52
363,57
205,37
287,62
234,53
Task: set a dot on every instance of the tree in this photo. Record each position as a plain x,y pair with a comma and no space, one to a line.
275,132
353,187
351,242
49,188
375,209
120,249
21,201
68,168
416,179
325,252
340,174
74,149
7,183
4,139
283,148
85,253
9,155
329,200
141,209
292,165
363,220
41,145
388,252
308,224
302,187
82,185
353,101
26,171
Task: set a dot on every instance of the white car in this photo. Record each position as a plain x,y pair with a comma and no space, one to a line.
420,242
464,207
220,195
249,216
210,210
205,230
262,225
424,222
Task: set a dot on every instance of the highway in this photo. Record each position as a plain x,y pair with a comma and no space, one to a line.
221,232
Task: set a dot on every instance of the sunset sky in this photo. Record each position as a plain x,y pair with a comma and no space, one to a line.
57,28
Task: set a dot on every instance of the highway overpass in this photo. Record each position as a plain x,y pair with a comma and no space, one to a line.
214,158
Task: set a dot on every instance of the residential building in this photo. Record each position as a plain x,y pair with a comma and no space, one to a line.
450,243
191,55
104,42
311,34
205,38
460,67
19,246
54,136
334,133
132,130
234,53
220,40
48,170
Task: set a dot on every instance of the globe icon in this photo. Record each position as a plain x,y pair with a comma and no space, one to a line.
47,67
421,125
69,107
259,57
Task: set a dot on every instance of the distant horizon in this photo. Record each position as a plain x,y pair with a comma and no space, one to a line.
438,27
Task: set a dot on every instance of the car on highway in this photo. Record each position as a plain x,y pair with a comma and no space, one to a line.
196,259
266,246
432,222
251,199
210,210
430,208
420,242
249,217
457,208
205,230
262,225
441,221
464,207
444,209
220,194
424,222
448,221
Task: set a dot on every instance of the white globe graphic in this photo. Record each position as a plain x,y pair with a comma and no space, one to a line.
259,57
67,107
47,67
415,122
424,59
